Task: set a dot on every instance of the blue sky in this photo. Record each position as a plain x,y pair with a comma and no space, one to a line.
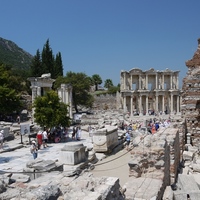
106,36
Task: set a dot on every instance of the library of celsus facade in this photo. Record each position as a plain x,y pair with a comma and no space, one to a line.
150,91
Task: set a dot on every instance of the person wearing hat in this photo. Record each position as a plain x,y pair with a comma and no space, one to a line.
34,149
1,139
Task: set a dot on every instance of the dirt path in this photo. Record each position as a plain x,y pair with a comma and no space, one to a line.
114,166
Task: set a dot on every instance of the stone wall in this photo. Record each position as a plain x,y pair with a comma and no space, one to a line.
191,97
175,144
156,159
105,102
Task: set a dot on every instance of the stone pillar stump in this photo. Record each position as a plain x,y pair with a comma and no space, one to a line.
73,153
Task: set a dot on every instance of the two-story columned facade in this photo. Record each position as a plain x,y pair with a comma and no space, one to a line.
150,91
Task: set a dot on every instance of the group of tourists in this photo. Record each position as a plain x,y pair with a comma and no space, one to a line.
42,138
54,135
152,126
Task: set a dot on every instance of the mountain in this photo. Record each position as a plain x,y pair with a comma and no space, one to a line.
13,55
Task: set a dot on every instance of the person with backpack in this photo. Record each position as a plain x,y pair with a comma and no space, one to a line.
34,149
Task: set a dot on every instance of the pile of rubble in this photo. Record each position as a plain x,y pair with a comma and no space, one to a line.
57,185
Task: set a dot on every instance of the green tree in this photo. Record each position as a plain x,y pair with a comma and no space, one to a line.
96,80
50,112
108,83
9,97
48,59
46,63
36,66
81,84
114,89
58,66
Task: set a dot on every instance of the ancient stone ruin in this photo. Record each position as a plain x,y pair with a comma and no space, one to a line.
163,165
191,97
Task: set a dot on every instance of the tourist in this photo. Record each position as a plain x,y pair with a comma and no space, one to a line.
39,139
153,129
1,139
122,127
34,149
166,124
78,133
44,138
74,133
134,126
157,125
128,140
18,119
66,134
90,130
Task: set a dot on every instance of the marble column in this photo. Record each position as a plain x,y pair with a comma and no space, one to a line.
139,82
140,104
39,91
156,104
131,105
124,81
34,93
146,81
131,83
172,103
163,103
178,104
147,105
163,81
171,82
156,81
125,104
177,82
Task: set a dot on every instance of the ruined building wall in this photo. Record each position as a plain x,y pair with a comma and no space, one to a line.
191,97
105,102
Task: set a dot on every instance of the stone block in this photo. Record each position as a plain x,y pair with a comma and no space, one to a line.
196,167
168,194
20,178
105,139
187,183
6,132
188,156
73,153
142,188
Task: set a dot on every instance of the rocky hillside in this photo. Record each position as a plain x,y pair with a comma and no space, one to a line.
13,55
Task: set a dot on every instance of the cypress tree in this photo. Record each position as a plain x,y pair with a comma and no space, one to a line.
36,66
48,59
58,67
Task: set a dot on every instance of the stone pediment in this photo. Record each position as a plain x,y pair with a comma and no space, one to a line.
151,70
135,71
